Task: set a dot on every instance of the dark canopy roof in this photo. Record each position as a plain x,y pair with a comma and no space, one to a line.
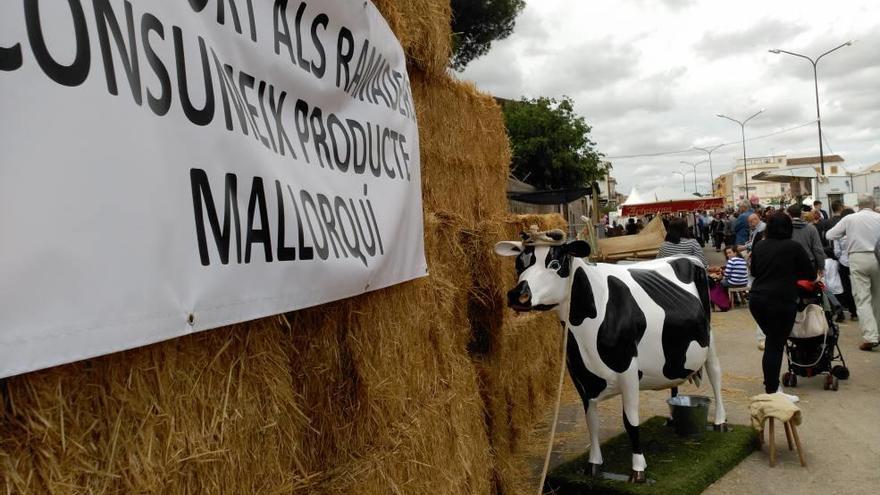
557,197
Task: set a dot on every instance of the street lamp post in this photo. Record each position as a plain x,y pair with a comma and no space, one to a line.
694,165
709,151
816,84
742,125
682,174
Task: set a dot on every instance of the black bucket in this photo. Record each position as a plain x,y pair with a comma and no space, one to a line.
690,414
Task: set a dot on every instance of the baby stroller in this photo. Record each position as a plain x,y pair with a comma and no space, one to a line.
809,352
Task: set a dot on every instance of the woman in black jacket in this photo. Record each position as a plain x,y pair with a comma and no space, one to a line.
777,264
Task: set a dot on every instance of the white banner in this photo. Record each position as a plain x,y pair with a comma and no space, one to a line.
169,166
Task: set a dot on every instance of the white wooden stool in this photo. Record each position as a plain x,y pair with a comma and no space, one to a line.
738,293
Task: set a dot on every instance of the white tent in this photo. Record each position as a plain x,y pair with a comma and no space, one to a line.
657,195
634,197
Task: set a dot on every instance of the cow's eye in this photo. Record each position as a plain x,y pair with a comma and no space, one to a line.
554,265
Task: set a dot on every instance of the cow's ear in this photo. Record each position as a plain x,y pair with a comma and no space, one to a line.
578,249
508,248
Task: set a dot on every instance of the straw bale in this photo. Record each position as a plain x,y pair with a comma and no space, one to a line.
464,149
520,380
215,411
424,29
400,401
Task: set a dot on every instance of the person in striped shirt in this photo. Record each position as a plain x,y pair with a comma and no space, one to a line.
677,243
736,273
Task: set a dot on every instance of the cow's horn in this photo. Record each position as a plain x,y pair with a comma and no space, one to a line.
553,237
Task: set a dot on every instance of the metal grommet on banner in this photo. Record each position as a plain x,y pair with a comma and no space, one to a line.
191,319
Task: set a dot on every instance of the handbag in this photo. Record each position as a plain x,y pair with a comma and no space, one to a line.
810,322
832,277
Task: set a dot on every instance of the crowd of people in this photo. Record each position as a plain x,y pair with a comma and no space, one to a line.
631,227
769,249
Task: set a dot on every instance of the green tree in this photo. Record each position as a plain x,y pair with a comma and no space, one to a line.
477,23
551,143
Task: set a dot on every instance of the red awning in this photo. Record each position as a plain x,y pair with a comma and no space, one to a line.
673,206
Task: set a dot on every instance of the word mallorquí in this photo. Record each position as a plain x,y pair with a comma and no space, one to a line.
333,223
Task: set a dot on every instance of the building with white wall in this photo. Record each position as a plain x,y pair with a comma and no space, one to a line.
732,185
867,181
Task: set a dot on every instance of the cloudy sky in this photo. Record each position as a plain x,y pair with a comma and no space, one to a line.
650,75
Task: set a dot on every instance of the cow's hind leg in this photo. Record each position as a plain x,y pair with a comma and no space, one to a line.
713,369
591,407
629,392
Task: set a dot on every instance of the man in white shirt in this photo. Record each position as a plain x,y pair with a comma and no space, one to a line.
862,229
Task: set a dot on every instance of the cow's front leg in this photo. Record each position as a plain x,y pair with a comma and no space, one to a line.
591,407
629,392
713,369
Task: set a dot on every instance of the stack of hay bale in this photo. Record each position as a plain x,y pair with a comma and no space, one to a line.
426,387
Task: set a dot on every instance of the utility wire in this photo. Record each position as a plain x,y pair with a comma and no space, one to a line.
827,144
691,150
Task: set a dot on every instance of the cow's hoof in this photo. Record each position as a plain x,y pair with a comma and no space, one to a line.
637,477
722,428
592,469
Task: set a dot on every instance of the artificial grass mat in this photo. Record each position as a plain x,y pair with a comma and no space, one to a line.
676,465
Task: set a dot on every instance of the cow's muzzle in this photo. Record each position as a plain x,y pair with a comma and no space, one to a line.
520,297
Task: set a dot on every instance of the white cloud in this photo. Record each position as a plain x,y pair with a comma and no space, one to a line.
650,76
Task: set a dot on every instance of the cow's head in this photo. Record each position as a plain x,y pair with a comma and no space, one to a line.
543,269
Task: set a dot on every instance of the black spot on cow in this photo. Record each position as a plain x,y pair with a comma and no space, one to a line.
684,269
588,385
525,259
641,374
685,321
633,432
687,271
621,329
582,303
562,259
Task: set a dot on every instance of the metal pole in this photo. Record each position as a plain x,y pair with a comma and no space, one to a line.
694,166
683,183
745,166
709,151
711,178
818,116
819,123
742,126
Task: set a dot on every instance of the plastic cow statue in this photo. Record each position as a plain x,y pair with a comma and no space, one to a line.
630,327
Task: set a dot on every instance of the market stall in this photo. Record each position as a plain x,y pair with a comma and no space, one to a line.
652,203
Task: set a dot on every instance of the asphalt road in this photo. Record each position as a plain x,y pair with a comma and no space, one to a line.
840,433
